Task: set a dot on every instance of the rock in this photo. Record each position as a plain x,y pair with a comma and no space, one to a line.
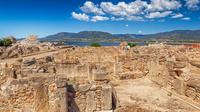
194,83
195,63
180,86
49,59
179,65
84,88
90,102
29,62
106,97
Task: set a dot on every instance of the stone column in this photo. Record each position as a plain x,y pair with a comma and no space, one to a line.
106,97
58,97
179,86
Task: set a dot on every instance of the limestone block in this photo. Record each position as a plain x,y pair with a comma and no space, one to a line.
179,64
28,62
179,86
106,95
41,98
84,87
195,63
58,97
90,102
99,76
106,111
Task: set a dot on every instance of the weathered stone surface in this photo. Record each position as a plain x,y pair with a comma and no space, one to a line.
195,63
29,62
88,72
90,102
99,76
84,88
106,97
180,86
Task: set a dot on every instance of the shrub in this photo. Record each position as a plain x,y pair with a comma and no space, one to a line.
1,42
5,42
132,44
95,44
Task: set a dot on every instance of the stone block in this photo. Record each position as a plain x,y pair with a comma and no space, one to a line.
84,87
106,111
195,63
179,65
99,76
179,86
90,102
106,96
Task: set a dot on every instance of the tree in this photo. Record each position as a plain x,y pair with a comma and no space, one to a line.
131,44
6,42
95,44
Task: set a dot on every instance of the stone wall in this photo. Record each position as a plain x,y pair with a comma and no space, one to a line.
176,70
38,83
34,95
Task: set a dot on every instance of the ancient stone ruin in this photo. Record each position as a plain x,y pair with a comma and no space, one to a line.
159,78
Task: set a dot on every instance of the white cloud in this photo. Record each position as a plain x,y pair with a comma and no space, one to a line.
186,18
192,4
99,18
82,17
126,25
138,10
153,15
124,9
135,18
179,15
89,7
117,19
163,5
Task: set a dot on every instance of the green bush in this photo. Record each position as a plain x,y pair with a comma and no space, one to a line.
1,42
132,44
95,44
5,42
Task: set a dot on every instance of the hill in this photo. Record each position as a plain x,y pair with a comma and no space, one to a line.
176,35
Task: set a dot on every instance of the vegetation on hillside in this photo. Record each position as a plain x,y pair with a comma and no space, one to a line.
94,44
132,44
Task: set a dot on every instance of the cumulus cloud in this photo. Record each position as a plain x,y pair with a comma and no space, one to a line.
163,5
89,7
186,18
179,15
82,17
138,10
99,18
192,4
153,15
135,18
117,19
123,9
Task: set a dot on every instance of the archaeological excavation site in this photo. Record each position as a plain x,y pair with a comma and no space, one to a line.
43,77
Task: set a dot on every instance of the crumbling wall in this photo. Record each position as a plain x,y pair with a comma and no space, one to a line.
176,70
33,95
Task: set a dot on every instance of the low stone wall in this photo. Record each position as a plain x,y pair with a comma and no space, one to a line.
34,95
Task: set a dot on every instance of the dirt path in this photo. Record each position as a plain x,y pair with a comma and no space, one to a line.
148,95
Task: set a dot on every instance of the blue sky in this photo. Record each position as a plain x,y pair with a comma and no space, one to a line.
44,17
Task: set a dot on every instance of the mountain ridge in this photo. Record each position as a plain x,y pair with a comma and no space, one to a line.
175,35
